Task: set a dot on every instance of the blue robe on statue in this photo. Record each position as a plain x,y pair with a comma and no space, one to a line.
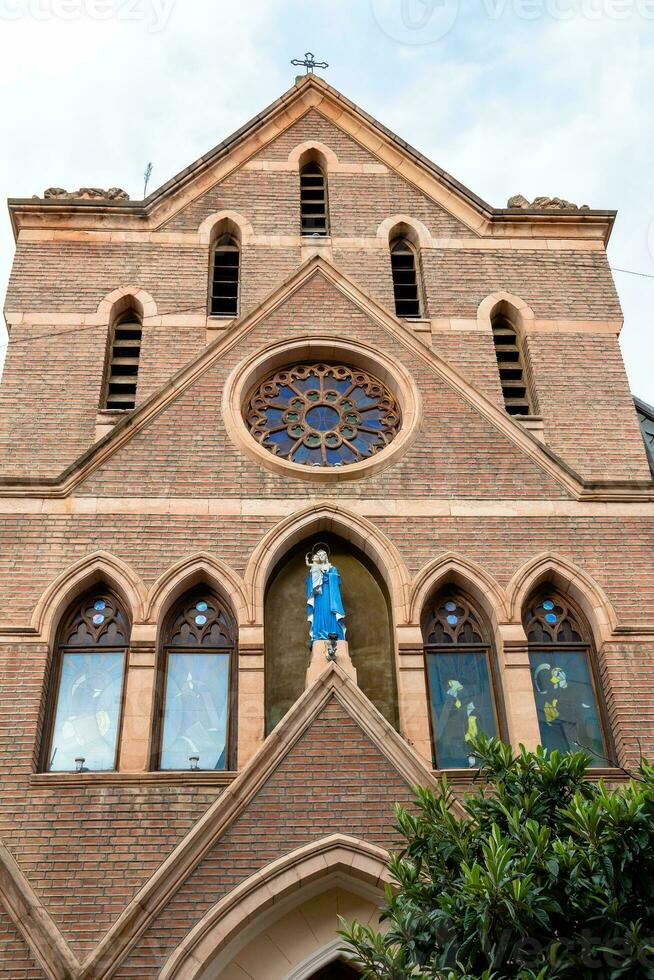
325,610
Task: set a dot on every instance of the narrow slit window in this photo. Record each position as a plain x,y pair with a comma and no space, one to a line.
511,366
124,357
406,283
225,284
313,200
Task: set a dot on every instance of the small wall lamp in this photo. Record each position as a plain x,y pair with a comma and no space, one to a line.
195,761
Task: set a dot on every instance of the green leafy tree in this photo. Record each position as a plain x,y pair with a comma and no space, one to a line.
548,875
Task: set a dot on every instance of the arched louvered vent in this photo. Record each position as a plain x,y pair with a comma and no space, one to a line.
225,284
123,368
406,280
313,199
511,365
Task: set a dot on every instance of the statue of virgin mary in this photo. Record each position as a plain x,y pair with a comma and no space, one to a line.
325,610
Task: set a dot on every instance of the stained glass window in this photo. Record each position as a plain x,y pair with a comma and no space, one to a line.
199,662
457,653
564,687
323,415
89,671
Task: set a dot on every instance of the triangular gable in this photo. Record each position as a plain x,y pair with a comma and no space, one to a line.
298,760
312,92
353,160
303,761
484,431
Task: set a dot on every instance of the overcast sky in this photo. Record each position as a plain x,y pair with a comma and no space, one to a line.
511,96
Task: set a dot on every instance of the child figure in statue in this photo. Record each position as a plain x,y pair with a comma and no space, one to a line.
325,610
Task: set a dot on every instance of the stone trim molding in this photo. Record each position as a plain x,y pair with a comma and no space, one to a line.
205,231
192,239
166,881
311,348
80,577
315,519
119,300
330,953
335,855
276,507
570,579
465,573
423,237
200,568
328,155
523,319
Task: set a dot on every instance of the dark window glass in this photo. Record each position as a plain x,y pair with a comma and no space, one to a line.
225,283
198,687
462,702
569,716
323,415
313,200
89,671
123,368
511,366
406,286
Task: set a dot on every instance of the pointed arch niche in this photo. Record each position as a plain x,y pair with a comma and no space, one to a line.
369,623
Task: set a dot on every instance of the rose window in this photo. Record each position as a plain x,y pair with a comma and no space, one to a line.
323,415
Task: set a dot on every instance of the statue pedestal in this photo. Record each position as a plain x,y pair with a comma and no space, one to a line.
320,663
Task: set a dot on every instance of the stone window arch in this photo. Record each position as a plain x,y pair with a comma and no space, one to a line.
84,708
462,677
567,691
195,717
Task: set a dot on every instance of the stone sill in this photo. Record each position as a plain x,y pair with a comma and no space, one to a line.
533,424
66,780
465,777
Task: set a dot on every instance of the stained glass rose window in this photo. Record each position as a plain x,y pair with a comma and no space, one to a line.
323,415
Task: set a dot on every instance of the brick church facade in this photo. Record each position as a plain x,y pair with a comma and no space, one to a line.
312,346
